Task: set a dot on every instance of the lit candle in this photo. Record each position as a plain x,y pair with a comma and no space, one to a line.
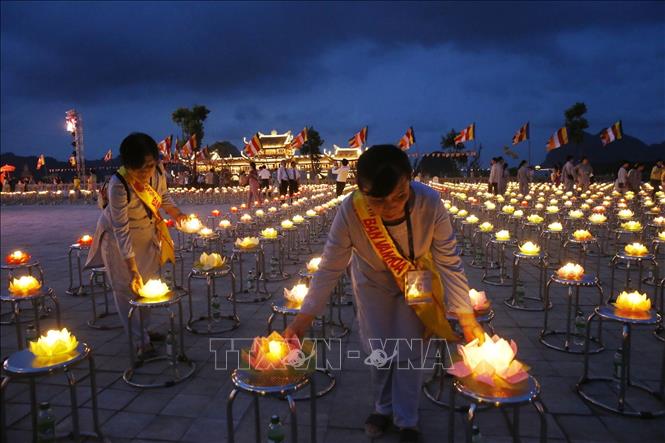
453,210
575,213
154,289
25,285
234,209
518,213
287,224
313,265
247,243
571,271
659,221
661,235
472,219
211,261
224,224
597,218
298,219
206,232
636,249
259,213
478,300
462,213
486,227
215,212
555,227
508,209
632,225
552,209
54,343
85,240
192,225
503,235
272,209
311,213
535,218
625,214
633,302
246,218
582,235
268,353
269,233
296,294
530,248
17,258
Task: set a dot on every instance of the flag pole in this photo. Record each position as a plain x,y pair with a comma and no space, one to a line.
529,141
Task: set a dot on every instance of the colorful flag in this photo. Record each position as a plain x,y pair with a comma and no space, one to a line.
202,154
614,132
407,139
522,134
40,162
299,140
254,146
165,146
359,138
558,139
188,147
108,156
467,134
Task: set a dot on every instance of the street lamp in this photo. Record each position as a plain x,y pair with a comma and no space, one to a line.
74,125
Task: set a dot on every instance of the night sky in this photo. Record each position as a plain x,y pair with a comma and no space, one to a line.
337,66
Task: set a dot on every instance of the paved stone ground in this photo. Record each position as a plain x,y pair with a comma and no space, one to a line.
194,410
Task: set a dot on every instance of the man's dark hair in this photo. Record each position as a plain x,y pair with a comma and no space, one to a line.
585,158
380,169
345,162
134,149
569,157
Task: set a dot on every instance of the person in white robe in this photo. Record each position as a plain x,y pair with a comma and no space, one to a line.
621,183
568,174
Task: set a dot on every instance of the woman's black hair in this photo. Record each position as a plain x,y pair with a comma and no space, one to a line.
252,165
522,163
134,149
380,169
345,162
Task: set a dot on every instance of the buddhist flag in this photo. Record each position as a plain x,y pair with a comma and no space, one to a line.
40,162
522,134
558,139
202,154
359,138
165,147
467,134
189,147
108,156
254,146
407,139
614,132
299,140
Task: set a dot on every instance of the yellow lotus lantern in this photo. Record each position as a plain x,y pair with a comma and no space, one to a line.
206,232
486,227
313,265
269,233
260,213
154,289
625,214
17,258
453,210
503,235
659,221
576,214
636,249
245,218
272,209
570,271
518,213
508,209
597,219
555,227
478,300
661,235
490,362
54,343
490,206
552,209
297,219
247,243
530,248
462,213
632,226
296,295
633,302
192,225
211,261
271,353
311,213
285,205
539,206
224,224
582,235
535,218
23,286
472,219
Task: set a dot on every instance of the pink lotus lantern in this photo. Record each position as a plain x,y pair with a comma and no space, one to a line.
17,258
85,240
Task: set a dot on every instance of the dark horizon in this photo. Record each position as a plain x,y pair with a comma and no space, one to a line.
337,66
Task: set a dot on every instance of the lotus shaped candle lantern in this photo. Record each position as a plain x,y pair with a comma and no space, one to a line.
453,210
285,206
492,361
245,218
490,206
508,209
633,302
575,213
54,343
472,219
524,203
211,261
446,204
518,213
552,209
661,235
659,221
224,224
598,209
462,213
215,213
243,206
478,300
269,233
568,203
570,271
534,218
530,248
272,209
260,213
287,224
247,243
311,213
296,295
555,227
553,202
632,226
25,285
154,289
271,353
625,214
597,218
503,235
539,206
206,232
298,219
234,209
636,249
486,227
192,225
18,258
313,265
582,235
85,240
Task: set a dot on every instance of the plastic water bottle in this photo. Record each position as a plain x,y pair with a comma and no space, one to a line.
617,362
45,424
580,329
216,308
170,344
519,293
30,334
275,430
250,280
476,437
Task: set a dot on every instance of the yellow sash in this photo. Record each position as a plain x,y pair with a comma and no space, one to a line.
153,201
432,315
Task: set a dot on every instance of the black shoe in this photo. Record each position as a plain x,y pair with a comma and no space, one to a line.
376,425
409,435
156,336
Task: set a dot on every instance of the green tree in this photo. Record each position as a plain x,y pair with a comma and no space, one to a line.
576,123
224,149
448,141
312,147
191,121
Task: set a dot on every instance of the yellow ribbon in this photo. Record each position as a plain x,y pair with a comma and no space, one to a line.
153,201
432,315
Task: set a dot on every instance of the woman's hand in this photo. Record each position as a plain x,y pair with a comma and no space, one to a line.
180,218
471,327
300,324
137,282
